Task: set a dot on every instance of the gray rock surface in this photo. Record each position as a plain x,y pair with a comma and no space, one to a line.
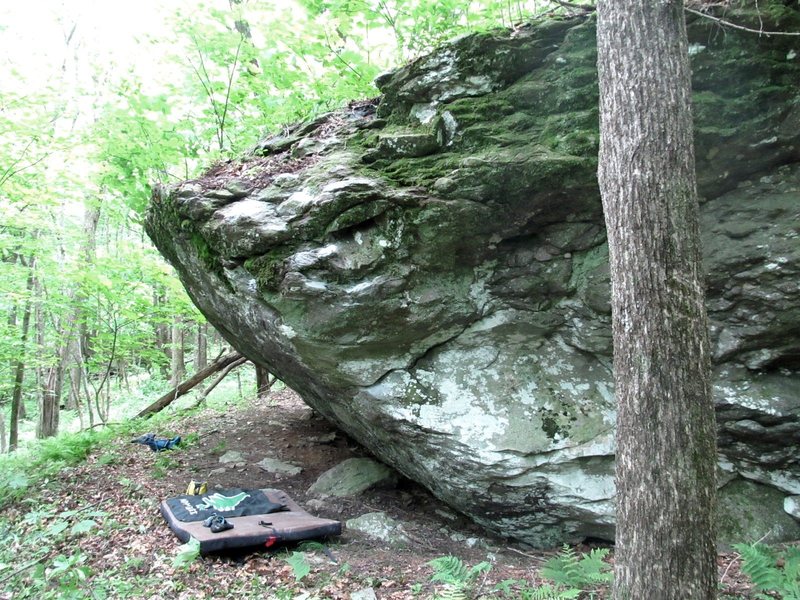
364,594
750,512
233,458
273,465
434,281
352,477
380,526
791,504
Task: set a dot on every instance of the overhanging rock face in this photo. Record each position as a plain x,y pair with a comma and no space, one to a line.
431,275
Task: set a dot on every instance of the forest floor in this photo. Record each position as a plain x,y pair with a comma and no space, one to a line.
131,552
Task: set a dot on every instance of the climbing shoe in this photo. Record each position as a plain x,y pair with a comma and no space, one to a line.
211,519
220,524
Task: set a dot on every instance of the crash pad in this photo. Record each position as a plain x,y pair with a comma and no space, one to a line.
265,517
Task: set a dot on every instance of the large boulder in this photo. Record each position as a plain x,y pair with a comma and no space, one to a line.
431,274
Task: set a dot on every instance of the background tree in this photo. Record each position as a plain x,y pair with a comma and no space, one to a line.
666,447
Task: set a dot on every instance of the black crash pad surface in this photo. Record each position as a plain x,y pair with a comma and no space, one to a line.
263,529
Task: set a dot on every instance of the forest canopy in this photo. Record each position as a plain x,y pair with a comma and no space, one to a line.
100,102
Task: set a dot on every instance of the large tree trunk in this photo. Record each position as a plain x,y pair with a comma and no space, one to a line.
666,444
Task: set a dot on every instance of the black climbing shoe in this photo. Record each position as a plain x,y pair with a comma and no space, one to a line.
220,524
211,519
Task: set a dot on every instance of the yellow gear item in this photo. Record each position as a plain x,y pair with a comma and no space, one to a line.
196,488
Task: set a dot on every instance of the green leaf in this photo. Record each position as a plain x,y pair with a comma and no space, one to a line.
57,527
83,526
299,564
187,554
449,569
17,481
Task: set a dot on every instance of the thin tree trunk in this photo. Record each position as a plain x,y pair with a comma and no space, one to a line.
75,393
162,334
122,375
50,399
19,369
190,383
201,347
263,382
666,443
91,220
103,407
75,373
85,379
50,376
12,326
108,398
178,366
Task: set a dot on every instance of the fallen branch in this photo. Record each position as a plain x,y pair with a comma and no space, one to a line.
204,394
725,23
572,5
589,8
182,388
24,567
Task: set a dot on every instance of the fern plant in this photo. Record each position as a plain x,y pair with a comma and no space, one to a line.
772,571
456,576
549,592
570,570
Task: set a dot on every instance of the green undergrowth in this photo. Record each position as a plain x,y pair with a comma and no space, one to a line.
44,459
774,573
41,460
41,555
566,575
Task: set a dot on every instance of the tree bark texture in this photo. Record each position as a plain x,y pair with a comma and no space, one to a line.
50,376
201,347
666,439
178,391
19,369
89,252
50,401
178,365
264,382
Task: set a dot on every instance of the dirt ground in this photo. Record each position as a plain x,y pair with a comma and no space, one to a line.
126,482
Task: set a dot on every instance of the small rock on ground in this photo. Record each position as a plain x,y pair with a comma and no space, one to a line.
273,465
365,594
232,456
380,526
353,476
